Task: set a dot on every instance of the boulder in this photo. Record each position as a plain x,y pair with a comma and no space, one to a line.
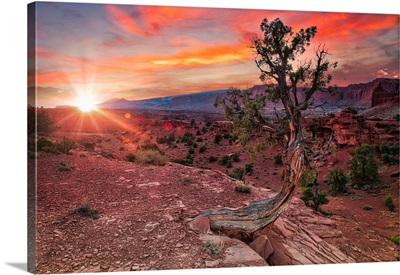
262,246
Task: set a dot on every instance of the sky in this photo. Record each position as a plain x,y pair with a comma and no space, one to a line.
106,51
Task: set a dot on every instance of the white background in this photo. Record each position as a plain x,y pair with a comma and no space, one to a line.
13,236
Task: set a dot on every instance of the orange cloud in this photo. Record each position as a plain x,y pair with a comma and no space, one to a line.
125,21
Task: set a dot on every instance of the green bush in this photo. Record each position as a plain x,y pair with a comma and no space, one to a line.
65,146
308,178
224,160
151,157
389,202
199,139
212,159
315,195
217,138
130,157
238,173
278,159
249,168
180,161
203,149
364,168
337,181
213,247
367,207
191,151
236,157
395,239
65,167
243,188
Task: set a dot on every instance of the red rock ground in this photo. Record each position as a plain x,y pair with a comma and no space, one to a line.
143,209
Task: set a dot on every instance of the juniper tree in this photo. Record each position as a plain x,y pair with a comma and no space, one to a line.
292,83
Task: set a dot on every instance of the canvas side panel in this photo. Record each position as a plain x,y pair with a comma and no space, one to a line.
32,161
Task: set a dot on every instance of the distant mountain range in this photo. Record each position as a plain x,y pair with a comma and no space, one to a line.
363,95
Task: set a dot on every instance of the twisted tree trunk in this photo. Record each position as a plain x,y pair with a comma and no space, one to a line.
260,213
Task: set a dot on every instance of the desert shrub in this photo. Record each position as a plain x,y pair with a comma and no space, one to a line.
194,145
315,195
150,146
204,130
86,210
388,158
203,149
212,159
238,173
226,135
224,160
337,181
130,157
213,247
243,188
65,167
249,168
278,159
43,143
198,133
162,140
389,202
217,138
180,161
39,121
364,168
352,110
199,139
308,178
187,179
191,151
208,123
65,145
151,157
395,239
367,207
236,157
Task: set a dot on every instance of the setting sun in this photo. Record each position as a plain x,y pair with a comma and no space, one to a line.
86,103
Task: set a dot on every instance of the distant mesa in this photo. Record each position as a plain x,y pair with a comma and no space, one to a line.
363,96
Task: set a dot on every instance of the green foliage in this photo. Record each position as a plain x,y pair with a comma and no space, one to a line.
203,149
364,168
217,138
191,151
213,247
395,239
150,146
337,181
130,157
199,139
187,179
352,110
243,187
238,173
65,146
235,157
389,203
212,159
315,195
367,207
278,159
308,178
180,161
249,168
65,167
86,210
388,153
153,157
39,121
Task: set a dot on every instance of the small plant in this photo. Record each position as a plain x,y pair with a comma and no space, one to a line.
315,195
352,110
191,151
224,160
203,149
65,146
337,181
236,157
249,168
199,139
213,247
238,173
308,178
278,159
151,157
130,157
86,210
187,179
217,138
65,167
212,159
389,203
243,187
395,239
367,207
